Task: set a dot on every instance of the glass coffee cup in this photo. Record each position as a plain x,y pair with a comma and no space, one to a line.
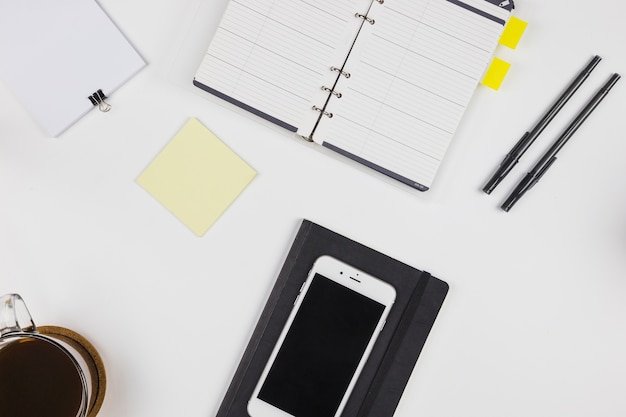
50,371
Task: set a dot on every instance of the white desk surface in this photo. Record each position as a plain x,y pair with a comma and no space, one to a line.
535,321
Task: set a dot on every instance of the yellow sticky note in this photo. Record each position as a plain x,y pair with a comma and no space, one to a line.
513,32
196,177
496,73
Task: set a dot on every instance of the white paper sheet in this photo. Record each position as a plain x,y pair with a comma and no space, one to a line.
55,54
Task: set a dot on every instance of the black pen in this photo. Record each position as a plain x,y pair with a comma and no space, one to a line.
549,157
514,155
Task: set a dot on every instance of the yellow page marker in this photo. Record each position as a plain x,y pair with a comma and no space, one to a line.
496,73
513,32
196,177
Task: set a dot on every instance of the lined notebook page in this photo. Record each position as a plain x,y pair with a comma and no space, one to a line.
271,57
413,74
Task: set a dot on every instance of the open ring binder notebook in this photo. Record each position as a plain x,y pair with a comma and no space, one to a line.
382,82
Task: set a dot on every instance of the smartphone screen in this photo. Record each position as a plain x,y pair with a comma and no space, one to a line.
321,350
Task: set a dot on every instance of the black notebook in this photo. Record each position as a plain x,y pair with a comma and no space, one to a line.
382,82
419,297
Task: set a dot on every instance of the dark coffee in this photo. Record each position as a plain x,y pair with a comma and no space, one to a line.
37,379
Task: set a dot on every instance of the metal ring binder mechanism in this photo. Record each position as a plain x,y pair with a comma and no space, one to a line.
340,71
325,113
364,17
331,91
97,99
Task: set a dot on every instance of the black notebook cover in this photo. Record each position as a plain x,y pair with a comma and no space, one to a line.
419,297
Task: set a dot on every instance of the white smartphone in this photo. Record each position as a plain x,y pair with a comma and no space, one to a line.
327,338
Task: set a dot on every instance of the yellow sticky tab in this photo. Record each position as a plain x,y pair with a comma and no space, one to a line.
513,32
196,177
496,73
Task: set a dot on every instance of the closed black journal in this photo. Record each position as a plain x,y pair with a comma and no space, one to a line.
380,385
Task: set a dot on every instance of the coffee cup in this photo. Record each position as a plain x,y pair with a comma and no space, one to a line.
50,371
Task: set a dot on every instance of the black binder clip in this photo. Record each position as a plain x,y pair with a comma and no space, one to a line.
97,99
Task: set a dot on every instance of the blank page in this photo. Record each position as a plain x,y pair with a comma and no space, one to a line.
273,57
413,73
55,54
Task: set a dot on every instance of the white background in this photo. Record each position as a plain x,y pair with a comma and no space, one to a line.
535,321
